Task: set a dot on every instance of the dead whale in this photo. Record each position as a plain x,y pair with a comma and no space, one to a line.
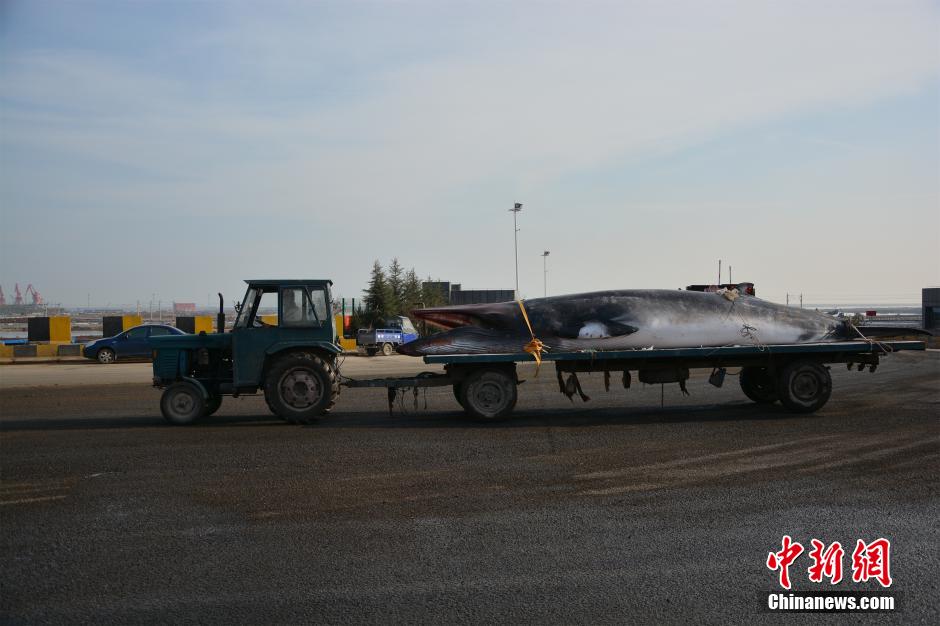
622,320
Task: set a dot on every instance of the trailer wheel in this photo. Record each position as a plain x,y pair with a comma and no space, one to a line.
804,386
213,404
458,392
387,349
371,351
301,388
488,394
182,403
758,385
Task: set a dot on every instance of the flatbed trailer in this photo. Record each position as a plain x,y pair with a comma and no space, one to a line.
797,375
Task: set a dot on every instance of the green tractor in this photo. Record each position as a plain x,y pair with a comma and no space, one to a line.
290,357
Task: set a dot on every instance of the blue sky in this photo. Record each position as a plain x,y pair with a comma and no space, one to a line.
178,147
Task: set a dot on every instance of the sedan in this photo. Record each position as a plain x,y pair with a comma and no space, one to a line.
132,343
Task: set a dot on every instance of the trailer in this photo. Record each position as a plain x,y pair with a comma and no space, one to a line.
486,385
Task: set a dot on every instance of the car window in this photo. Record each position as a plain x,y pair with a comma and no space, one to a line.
159,330
137,333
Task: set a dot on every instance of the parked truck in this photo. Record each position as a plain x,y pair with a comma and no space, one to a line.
397,330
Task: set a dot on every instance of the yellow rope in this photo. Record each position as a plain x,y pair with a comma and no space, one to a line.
534,347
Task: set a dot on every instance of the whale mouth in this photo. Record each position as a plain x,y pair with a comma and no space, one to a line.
464,340
469,329
496,316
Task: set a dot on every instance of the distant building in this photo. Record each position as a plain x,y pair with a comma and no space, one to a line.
930,304
184,308
453,294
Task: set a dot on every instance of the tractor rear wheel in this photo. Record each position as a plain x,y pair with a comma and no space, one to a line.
182,403
301,387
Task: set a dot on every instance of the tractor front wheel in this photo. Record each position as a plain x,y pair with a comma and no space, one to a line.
301,388
182,403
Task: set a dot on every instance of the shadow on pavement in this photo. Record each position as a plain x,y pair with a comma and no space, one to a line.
525,418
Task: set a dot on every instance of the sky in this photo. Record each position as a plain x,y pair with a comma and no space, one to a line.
169,149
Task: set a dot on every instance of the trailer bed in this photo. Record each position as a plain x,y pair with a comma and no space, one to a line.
711,353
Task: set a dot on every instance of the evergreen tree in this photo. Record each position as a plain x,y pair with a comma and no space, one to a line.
378,296
396,287
411,292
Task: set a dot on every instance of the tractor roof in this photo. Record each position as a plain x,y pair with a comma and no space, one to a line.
281,282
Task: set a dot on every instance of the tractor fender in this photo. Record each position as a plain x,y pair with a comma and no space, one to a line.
322,346
199,386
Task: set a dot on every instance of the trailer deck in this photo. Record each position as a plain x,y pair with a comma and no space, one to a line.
797,375
860,347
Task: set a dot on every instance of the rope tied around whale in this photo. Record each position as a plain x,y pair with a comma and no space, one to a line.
534,347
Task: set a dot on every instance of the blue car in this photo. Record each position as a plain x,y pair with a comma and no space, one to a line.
133,343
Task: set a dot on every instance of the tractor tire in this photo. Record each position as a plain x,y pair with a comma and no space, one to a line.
299,388
758,384
804,386
387,349
182,404
489,394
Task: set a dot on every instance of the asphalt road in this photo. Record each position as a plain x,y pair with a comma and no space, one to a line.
617,510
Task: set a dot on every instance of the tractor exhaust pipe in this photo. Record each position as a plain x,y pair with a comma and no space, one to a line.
220,318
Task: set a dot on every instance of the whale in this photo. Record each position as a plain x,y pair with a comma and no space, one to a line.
627,319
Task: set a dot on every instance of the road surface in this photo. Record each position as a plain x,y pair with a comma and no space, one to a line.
616,510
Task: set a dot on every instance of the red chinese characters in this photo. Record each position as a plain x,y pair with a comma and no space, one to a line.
826,563
872,560
782,560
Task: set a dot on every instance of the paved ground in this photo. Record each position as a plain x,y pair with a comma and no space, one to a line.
611,511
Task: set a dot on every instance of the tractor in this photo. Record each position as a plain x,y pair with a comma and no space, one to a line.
288,354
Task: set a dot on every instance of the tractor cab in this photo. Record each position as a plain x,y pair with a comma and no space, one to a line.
281,344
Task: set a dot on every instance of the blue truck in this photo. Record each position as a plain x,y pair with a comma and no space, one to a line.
397,330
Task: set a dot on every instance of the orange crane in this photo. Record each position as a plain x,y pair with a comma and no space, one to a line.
19,296
31,291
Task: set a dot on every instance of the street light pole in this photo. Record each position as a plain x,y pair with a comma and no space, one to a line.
545,271
515,233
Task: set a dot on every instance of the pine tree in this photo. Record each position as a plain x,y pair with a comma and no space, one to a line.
378,295
396,306
411,292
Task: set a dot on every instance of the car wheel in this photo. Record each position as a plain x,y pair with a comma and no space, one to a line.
106,356
387,349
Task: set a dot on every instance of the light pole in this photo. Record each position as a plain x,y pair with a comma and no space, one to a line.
515,234
545,271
